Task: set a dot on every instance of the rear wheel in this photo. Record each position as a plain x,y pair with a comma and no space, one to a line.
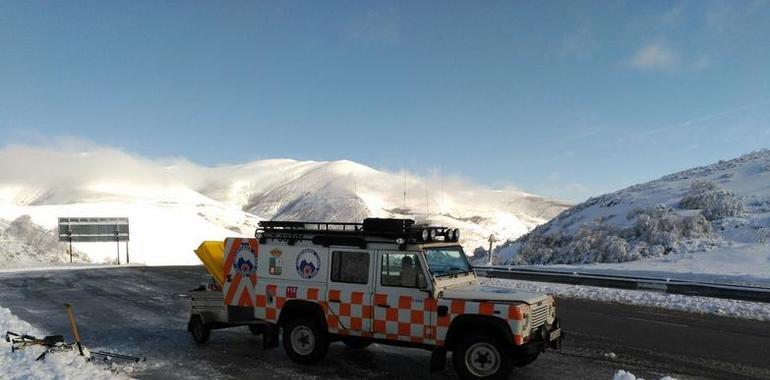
199,331
356,343
304,340
481,356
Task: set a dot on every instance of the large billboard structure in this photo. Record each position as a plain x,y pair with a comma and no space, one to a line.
101,229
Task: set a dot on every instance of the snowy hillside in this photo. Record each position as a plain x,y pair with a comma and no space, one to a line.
721,209
174,205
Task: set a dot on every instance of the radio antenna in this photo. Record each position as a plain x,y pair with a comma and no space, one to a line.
404,171
427,198
355,198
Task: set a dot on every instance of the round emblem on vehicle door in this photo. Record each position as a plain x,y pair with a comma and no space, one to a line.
308,263
245,262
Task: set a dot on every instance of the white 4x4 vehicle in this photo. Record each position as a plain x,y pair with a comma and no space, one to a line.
387,281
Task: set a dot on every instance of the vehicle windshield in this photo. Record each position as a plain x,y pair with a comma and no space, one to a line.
447,261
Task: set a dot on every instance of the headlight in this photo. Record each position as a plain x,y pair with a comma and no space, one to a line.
525,323
425,235
433,234
456,234
450,234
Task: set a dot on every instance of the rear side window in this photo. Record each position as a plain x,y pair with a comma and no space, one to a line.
350,267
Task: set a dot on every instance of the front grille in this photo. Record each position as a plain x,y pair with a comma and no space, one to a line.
539,315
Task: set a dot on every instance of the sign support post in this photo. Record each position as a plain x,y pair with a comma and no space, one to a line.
117,245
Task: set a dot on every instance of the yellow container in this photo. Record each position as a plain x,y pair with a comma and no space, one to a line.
212,254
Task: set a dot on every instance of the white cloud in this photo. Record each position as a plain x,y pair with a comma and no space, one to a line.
654,56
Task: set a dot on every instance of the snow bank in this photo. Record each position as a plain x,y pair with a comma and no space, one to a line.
21,365
624,375
703,305
25,243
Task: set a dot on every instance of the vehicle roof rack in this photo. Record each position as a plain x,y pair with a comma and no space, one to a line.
400,231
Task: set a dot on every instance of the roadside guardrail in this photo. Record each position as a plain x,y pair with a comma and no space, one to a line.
663,285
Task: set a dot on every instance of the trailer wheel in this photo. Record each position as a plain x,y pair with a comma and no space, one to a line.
199,331
481,356
304,340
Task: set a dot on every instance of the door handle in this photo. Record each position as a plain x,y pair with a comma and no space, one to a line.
383,305
335,301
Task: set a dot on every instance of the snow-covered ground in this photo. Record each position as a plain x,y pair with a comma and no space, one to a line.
625,375
21,365
173,205
739,264
711,220
704,305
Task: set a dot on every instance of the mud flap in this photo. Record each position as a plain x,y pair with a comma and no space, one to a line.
437,360
270,336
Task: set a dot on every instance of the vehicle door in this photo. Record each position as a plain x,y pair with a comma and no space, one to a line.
349,295
403,305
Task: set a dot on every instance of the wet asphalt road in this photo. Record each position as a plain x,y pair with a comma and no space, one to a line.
144,310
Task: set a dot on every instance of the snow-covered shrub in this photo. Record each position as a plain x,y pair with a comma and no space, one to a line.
654,231
615,249
715,202
23,242
661,226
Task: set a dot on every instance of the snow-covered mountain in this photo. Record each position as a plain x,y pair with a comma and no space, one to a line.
721,209
174,204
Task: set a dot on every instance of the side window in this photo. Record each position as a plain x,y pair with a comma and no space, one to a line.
350,267
402,269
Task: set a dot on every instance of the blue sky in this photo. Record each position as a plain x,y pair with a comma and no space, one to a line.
567,99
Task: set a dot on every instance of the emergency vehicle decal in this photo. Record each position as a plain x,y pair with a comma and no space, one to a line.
240,271
276,266
308,263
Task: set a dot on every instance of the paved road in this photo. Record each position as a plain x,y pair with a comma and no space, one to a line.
144,310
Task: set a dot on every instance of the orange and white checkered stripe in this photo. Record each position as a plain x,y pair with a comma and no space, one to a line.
268,304
239,290
407,319
348,312
513,314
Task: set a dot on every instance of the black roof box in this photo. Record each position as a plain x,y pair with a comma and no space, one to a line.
386,226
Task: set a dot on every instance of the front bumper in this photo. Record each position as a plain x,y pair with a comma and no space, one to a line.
545,337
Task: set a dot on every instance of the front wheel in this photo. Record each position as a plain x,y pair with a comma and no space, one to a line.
481,356
304,340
